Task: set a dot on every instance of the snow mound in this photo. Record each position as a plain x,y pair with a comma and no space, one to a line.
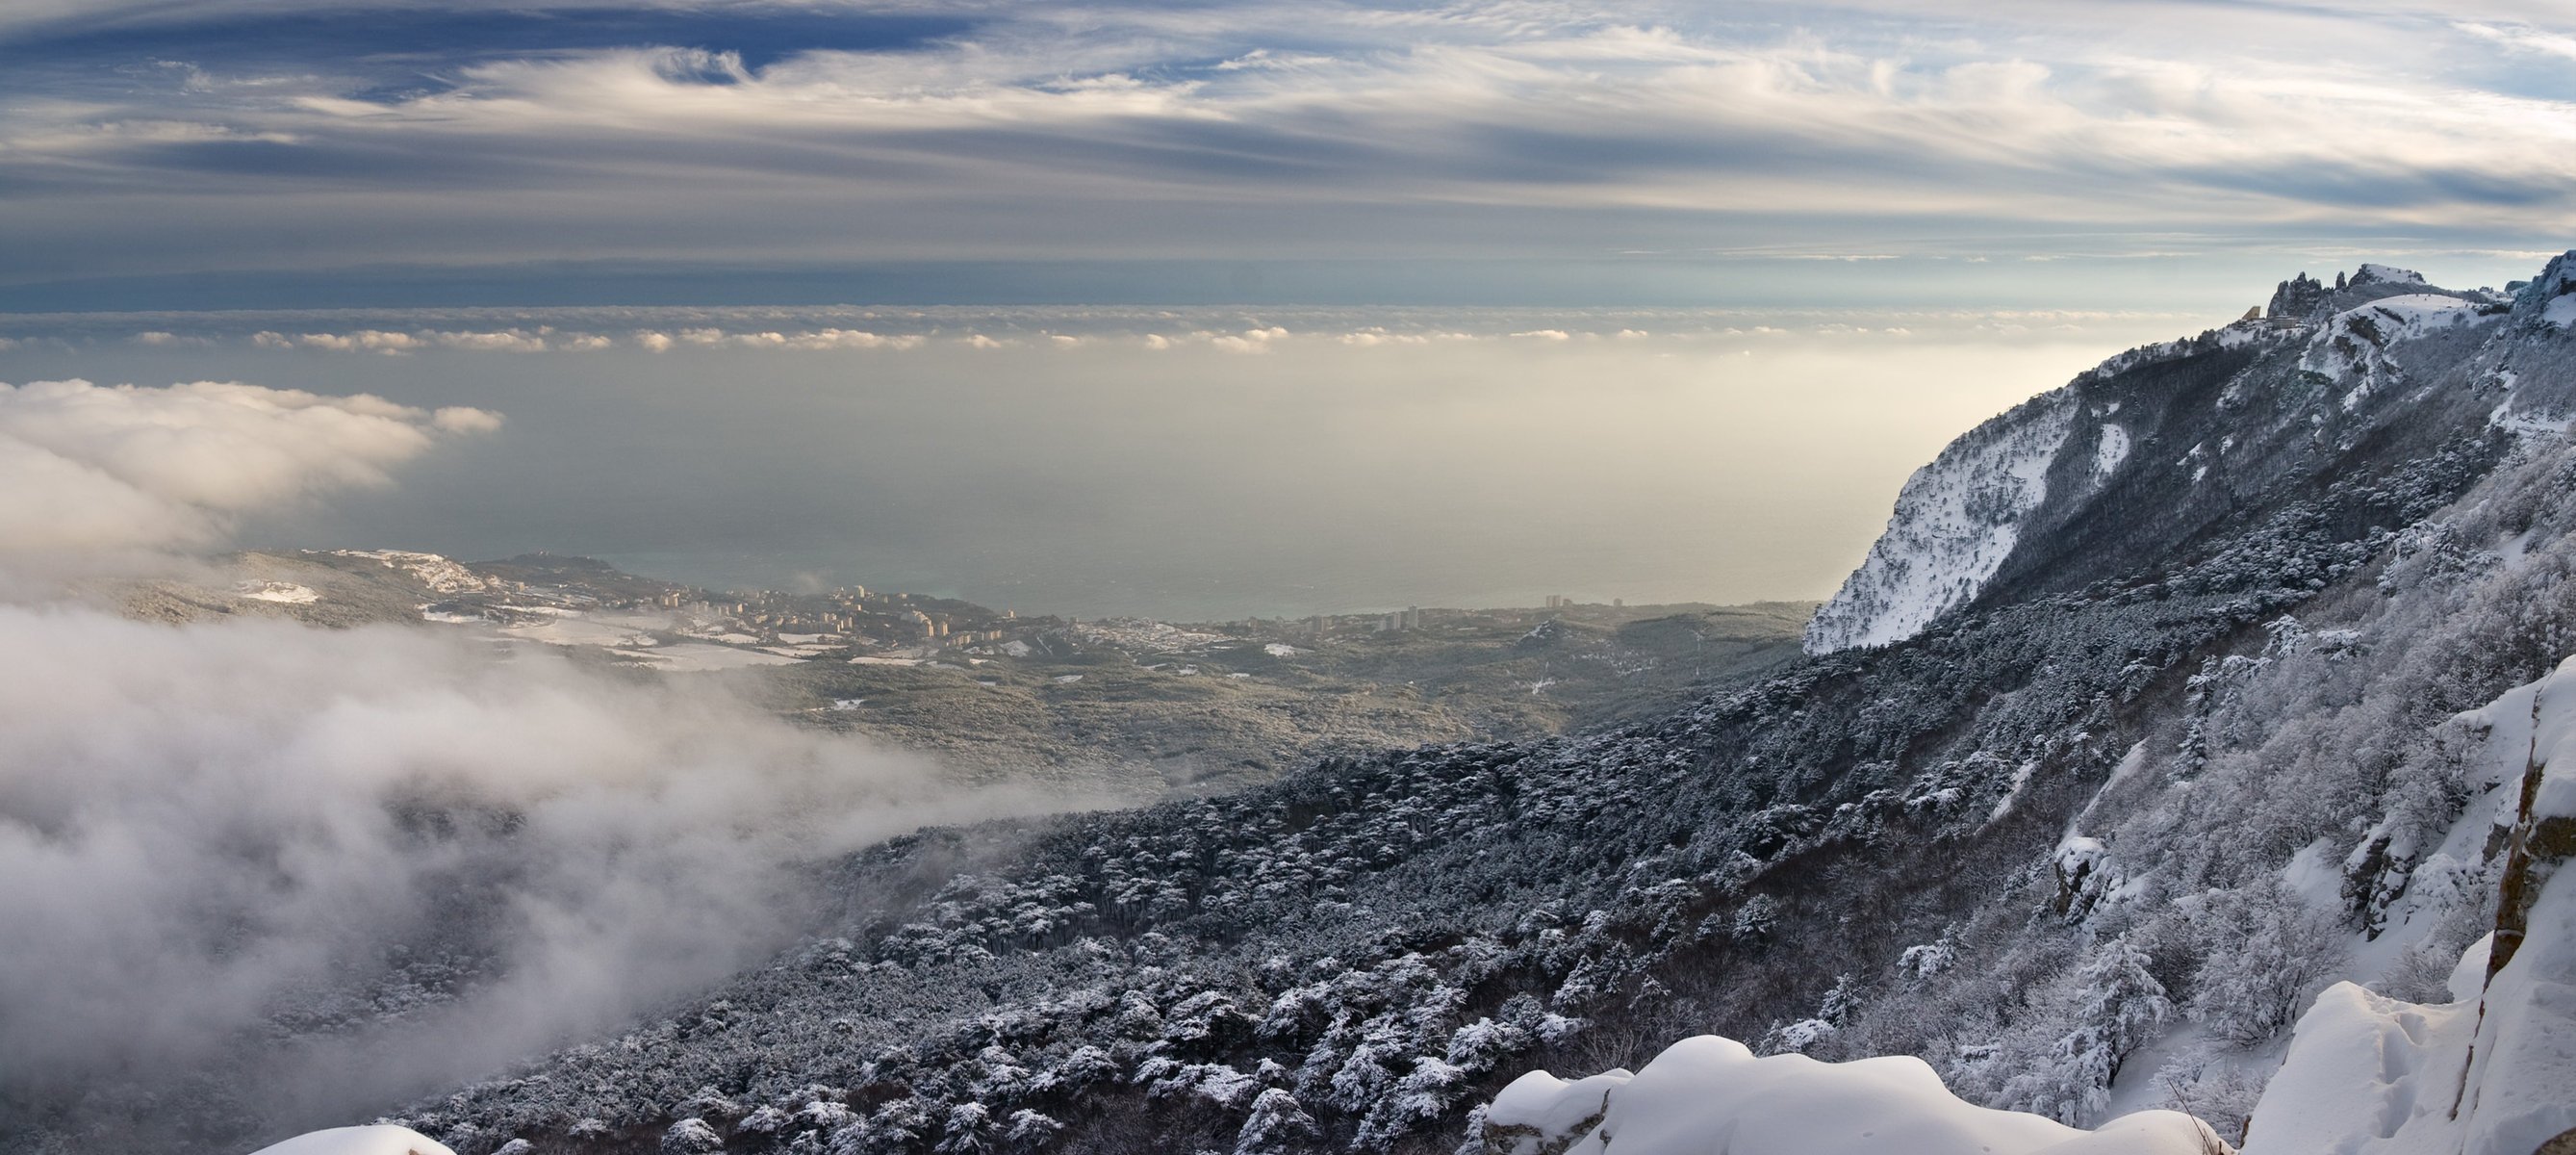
2368,1075
1710,1095
1956,521
376,1140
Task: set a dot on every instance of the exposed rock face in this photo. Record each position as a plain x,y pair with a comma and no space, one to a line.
1956,521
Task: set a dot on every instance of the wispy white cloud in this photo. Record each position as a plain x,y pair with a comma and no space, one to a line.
2523,37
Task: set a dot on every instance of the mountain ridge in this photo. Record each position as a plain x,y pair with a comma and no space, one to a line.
2124,444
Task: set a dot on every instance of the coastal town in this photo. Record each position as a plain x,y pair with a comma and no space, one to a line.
1134,706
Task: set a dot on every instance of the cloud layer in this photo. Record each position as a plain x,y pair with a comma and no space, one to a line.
1313,129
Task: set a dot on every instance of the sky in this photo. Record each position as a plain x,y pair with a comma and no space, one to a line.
307,153
1220,309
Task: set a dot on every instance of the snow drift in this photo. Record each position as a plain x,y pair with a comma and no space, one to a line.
359,1141
1712,1096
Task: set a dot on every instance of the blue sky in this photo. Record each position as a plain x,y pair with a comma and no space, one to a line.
292,153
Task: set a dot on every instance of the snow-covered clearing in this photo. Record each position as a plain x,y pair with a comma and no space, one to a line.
436,572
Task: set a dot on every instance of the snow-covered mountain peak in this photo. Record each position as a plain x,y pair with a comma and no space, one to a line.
2389,274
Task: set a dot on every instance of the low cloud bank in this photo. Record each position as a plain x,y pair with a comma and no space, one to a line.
278,876
212,831
90,468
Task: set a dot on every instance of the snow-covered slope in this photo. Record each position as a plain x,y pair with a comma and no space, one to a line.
2489,1071
1956,521
2493,1071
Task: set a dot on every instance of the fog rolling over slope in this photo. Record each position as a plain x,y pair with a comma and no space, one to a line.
280,873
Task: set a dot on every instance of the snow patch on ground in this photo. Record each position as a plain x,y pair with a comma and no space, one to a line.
700,657
2560,311
1956,521
2109,450
2352,347
2520,424
561,627
438,573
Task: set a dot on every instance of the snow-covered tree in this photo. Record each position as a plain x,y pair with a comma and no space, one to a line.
1277,1125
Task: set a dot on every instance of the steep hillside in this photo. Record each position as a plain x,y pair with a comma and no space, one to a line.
2157,710
2169,454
